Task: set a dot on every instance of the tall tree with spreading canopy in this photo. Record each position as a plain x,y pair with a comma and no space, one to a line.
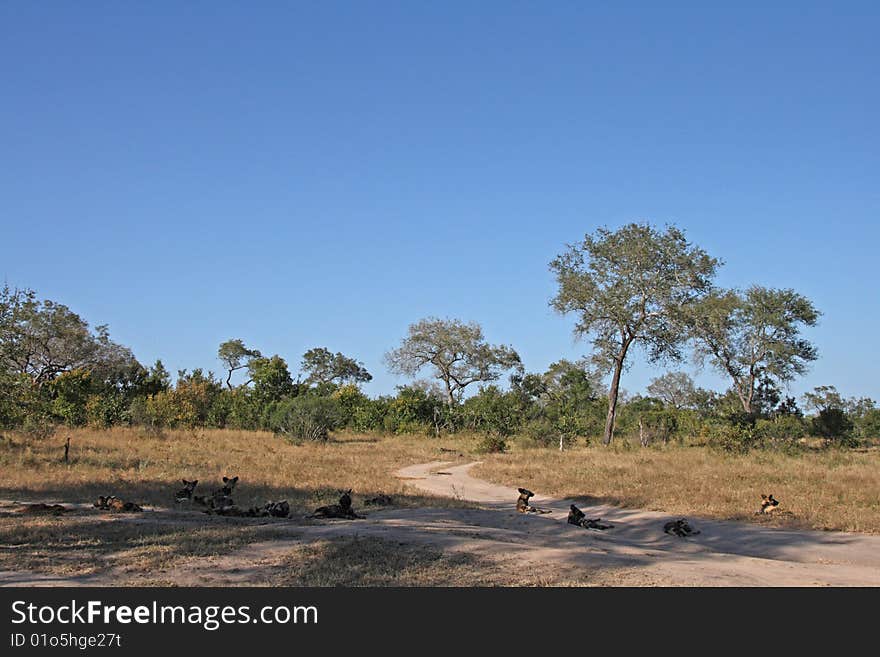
42,339
754,336
321,366
235,356
631,287
456,351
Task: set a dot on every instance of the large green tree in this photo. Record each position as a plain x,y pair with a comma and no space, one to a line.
42,339
271,379
457,353
754,336
631,287
321,366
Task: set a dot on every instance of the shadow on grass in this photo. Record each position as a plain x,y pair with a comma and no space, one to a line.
160,494
81,547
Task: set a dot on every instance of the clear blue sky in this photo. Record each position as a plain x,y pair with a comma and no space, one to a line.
300,174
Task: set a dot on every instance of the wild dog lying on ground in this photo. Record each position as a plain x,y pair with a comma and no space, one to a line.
680,528
116,505
522,504
579,518
276,509
768,504
41,509
380,500
222,497
185,494
342,510
269,510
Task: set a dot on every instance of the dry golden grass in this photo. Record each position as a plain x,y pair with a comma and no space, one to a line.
829,489
369,561
823,489
148,468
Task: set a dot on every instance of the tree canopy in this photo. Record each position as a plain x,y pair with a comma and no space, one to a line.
631,287
457,353
42,339
675,389
235,356
754,336
322,366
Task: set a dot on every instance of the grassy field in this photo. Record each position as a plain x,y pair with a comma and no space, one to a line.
148,468
823,489
826,489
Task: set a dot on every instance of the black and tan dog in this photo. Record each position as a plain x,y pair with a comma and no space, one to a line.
768,504
116,505
222,497
522,503
680,528
185,494
341,510
279,509
579,518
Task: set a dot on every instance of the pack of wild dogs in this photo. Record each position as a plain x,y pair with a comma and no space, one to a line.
681,527
221,503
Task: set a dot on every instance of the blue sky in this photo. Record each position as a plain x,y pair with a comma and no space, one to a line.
305,174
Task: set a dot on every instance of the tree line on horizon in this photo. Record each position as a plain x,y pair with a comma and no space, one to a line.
635,290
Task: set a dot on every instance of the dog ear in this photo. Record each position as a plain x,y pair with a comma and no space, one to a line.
235,479
764,497
225,479
195,481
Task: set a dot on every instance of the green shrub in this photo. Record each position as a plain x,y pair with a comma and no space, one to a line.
490,444
868,426
733,438
657,424
71,393
349,398
106,410
832,423
370,415
541,432
306,418
785,428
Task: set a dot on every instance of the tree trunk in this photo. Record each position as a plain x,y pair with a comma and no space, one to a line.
746,400
612,399
450,398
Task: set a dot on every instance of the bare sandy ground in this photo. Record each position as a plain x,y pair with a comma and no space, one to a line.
636,552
